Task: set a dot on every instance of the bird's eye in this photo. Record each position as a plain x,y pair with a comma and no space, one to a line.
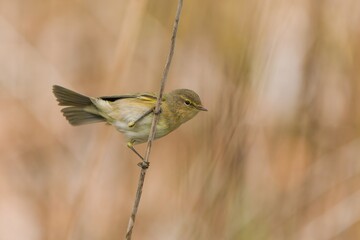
187,102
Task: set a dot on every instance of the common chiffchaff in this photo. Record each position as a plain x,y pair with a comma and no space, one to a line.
130,114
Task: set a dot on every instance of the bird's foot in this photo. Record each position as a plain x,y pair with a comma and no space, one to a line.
144,165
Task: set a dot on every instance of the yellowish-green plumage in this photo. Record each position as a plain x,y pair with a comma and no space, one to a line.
130,114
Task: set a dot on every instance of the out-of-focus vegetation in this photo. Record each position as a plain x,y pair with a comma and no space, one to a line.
277,156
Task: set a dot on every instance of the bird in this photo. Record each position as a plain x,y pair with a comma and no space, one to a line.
130,114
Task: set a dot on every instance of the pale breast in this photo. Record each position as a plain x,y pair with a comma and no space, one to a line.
129,110
139,133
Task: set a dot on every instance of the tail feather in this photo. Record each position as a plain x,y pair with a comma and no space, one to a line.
77,116
66,97
79,106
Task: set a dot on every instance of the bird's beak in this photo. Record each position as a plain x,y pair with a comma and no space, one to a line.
201,108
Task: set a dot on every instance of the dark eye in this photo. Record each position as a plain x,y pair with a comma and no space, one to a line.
187,102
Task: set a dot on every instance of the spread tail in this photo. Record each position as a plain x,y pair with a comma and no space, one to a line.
78,106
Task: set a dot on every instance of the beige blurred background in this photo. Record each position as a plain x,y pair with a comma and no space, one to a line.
277,156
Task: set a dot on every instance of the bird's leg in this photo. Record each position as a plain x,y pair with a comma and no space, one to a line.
143,164
132,123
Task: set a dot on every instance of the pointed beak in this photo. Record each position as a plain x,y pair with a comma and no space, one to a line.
201,108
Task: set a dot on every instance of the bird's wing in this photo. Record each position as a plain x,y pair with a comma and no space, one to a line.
147,97
116,97
124,107
151,97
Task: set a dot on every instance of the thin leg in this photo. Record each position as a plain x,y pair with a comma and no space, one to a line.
131,146
142,164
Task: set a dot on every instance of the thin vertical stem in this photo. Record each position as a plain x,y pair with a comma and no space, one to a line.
154,123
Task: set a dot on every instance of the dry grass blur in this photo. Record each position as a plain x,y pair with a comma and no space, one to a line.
276,157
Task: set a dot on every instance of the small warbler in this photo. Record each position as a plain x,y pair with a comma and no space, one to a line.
130,114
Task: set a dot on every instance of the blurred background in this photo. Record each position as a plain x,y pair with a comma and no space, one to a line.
277,156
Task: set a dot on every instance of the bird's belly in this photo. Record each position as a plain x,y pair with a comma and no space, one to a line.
140,132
